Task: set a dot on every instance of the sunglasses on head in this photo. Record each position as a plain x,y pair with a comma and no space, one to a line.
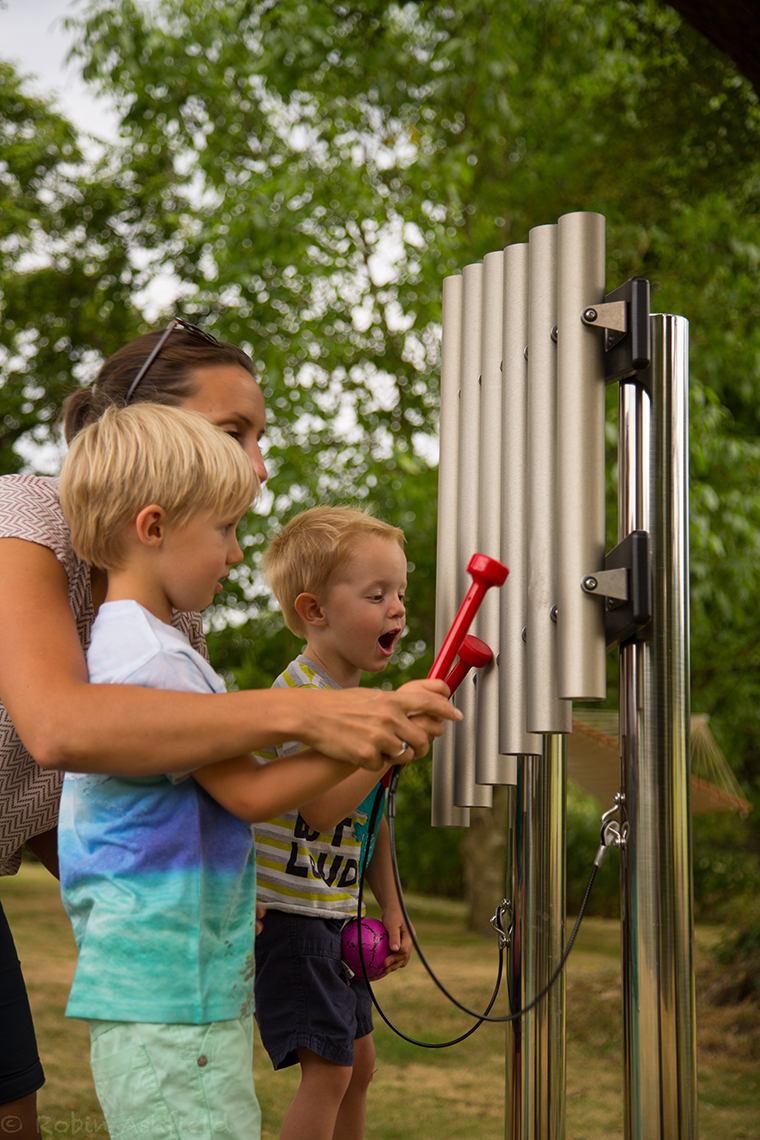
176,322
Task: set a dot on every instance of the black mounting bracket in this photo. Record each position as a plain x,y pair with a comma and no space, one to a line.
624,316
625,584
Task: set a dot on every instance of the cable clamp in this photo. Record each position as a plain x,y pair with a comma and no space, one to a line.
614,832
497,922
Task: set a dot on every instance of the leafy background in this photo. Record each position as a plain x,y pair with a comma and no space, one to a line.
304,173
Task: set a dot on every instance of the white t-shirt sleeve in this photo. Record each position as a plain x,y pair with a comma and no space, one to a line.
130,646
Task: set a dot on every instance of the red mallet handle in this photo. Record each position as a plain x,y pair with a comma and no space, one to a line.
486,572
473,654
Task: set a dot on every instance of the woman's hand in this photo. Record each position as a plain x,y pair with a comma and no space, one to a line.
367,727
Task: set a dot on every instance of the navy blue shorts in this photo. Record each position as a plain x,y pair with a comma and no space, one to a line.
20,1069
303,1000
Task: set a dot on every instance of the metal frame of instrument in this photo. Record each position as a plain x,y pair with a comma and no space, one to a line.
530,341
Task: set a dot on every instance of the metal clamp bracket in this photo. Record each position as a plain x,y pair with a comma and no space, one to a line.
614,832
624,315
609,583
626,585
612,316
497,922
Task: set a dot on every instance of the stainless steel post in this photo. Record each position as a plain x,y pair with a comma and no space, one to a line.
535,1074
658,977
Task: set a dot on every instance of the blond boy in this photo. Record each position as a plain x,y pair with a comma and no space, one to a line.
157,872
340,577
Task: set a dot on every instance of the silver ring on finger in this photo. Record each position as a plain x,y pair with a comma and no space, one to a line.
403,748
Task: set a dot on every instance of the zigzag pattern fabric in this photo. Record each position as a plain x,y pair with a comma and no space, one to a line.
29,795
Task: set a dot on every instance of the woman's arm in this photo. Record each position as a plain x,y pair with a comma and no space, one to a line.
66,723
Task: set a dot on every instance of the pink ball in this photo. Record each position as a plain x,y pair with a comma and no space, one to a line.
375,944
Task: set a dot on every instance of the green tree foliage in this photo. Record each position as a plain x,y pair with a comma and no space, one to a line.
309,170
75,245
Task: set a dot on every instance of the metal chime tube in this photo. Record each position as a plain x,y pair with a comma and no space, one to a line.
525,874
467,792
514,738
546,713
536,1045
444,813
581,662
658,977
491,767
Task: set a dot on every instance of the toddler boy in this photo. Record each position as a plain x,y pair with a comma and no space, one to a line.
340,578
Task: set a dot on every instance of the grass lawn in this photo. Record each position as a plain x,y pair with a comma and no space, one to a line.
421,1094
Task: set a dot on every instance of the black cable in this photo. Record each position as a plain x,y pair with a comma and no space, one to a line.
386,1019
480,1017
465,1009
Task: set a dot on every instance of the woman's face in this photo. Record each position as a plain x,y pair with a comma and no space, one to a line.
230,397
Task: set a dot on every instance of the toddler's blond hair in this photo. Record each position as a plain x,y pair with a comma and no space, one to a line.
312,549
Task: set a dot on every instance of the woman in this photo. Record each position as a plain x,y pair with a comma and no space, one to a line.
51,719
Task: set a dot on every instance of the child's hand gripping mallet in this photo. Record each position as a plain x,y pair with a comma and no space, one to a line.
485,572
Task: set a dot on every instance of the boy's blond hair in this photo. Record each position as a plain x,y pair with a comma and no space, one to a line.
142,454
305,556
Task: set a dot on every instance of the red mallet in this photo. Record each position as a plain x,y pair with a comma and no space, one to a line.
486,572
375,946
473,654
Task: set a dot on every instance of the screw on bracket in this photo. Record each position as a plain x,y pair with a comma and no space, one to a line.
611,315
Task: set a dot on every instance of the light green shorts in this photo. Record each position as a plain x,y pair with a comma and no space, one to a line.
176,1081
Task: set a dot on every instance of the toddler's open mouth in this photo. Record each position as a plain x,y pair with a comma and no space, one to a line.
387,641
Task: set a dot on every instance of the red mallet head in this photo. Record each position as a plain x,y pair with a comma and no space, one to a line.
375,945
473,654
486,572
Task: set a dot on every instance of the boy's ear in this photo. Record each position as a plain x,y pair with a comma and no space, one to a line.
308,608
150,525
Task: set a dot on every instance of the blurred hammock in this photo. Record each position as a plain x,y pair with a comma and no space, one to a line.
592,761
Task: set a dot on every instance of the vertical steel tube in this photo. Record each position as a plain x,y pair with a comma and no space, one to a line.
545,711
535,1076
581,648
514,739
443,811
658,977
490,767
467,792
